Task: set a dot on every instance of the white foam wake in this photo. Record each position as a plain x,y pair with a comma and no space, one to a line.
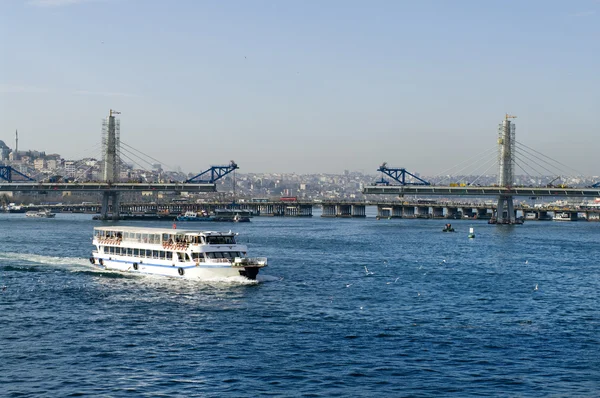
39,259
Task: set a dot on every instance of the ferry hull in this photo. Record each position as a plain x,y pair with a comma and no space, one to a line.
189,271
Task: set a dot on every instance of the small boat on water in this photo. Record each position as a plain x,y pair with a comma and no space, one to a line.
194,216
448,228
564,216
173,252
234,215
227,215
43,213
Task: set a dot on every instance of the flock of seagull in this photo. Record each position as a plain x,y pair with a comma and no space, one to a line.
369,273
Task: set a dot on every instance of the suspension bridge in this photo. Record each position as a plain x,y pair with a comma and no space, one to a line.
509,151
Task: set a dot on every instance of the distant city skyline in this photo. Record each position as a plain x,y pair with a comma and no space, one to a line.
303,87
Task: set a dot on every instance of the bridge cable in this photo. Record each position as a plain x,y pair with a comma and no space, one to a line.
556,161
138,157
557,169
493,163
525,171
560,171
527,164
478,156
134,162
148,156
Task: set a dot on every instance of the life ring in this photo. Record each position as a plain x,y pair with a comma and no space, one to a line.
135,266
92,260
180,271
101,262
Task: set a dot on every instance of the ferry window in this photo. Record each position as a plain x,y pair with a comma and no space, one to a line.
229,240
136,252
148,253
187,257
129,251
155,254
165,237
138,237
169,256
209,255
180,256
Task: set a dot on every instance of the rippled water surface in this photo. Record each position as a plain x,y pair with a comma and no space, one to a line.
436,313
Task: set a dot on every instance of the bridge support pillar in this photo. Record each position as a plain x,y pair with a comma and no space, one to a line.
408,211
114,198
359,211
422,211
505,212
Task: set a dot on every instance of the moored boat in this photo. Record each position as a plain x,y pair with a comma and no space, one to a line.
563,216
43,213
194,216
173,252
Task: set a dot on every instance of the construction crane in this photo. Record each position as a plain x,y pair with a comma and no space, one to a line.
216,173
507,116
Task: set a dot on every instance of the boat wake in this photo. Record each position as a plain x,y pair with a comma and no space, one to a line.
32,259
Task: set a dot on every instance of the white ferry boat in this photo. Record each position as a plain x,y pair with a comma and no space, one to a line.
173,252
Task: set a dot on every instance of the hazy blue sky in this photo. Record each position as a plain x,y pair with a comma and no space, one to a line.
303,86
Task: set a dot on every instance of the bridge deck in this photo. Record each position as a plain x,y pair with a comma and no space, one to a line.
480,191
102,186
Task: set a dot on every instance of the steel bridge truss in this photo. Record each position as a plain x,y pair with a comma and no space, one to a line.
399,175
6,174
213,174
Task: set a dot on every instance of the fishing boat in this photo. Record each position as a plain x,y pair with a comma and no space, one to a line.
173,252
43,213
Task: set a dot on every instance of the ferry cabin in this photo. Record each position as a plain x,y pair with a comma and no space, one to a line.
173,252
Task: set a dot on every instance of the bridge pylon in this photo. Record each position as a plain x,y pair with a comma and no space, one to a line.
505,211
111,140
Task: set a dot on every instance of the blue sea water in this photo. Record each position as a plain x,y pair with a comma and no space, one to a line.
436,314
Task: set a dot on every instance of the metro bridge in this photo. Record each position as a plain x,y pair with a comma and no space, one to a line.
504,191
432,190
105,186
12,180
